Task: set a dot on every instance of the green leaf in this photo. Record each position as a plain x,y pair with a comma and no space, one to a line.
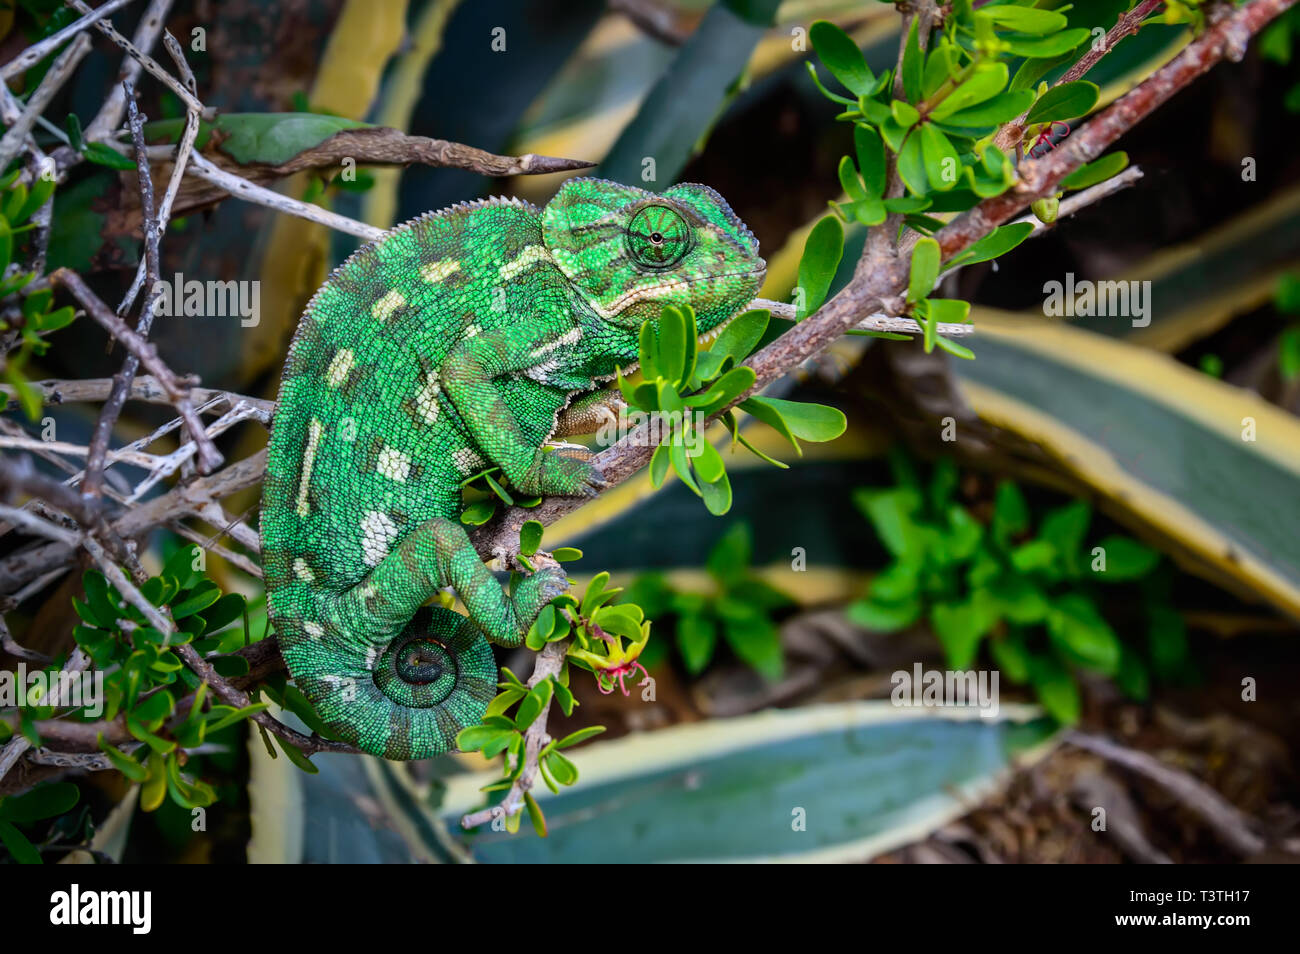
530,537
717,496
884,617
730,557
476,737
821,258
744,331
925,270
904,113
771,417
44,801
1033,70
582,735
752,637
871,158
660,461
812,422
102,155
1066,101
1001,108
1011,656
891,514
1065,528
1034,555
998,242
842,57
16,842
1095,172
913,65
941,162
538,698
1023,19
954,349
565,772
1055,688
1079,630
478,513
960,627
986,81
697,635
1126,559
1053,45
199,599
1010,512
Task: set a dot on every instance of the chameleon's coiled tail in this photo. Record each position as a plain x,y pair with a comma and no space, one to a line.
434,679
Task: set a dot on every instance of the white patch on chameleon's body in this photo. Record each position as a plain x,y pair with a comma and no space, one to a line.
541,371
383,309
426,401
302,571
377,534
314,430
531,255
440,271
314,630
393,464
338,370
471,331
467,461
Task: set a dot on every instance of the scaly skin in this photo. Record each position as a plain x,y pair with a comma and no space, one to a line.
451,344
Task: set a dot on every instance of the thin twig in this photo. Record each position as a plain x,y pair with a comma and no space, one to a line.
232,696
16,746
110,115
1227,822
188,137
1011,133
108,414
59,73
38,51
549,662
177,391
250,192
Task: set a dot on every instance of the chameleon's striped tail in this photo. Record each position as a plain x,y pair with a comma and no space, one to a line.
434,679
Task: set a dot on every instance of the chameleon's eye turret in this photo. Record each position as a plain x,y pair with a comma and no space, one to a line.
658,237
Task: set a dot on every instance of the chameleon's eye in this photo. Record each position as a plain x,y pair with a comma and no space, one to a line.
658,237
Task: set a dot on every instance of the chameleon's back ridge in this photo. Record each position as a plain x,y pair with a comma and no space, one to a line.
450,346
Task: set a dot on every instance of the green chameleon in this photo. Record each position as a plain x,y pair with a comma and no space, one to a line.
450,345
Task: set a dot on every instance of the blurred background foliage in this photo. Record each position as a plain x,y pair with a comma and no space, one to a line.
777,628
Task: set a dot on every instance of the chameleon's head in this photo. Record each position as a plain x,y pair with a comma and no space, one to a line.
630,252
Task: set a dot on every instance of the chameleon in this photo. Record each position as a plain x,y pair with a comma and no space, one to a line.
450,345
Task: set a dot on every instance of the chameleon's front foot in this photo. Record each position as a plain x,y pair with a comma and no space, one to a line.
563,473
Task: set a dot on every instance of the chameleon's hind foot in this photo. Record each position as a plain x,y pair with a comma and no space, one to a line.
533,592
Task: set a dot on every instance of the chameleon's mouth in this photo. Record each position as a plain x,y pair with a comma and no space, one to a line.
638,295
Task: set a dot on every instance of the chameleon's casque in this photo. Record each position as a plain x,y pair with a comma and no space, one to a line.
451,345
